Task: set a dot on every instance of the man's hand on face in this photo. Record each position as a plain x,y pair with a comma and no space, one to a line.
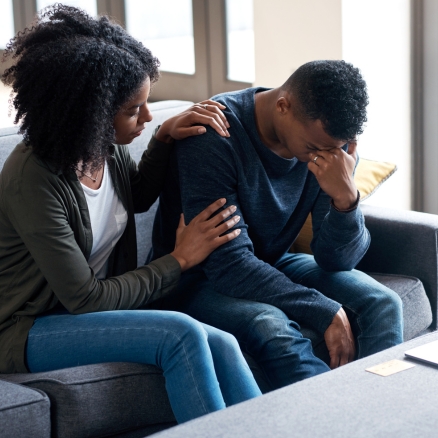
334,171
339,340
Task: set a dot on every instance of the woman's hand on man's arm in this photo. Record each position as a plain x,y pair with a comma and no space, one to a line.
188,123
205,232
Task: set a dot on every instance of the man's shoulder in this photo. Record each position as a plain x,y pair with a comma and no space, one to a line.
235,101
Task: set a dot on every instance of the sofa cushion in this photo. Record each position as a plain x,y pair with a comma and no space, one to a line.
8,140
24,412
101,400
417,313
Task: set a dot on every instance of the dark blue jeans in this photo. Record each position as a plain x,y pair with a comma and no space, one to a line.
275,341
203,366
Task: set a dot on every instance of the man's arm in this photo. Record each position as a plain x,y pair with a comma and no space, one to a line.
208,170
340,238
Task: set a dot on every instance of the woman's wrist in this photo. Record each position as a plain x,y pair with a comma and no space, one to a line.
181,260
162,135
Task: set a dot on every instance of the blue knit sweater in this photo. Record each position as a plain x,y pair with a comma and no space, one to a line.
273,196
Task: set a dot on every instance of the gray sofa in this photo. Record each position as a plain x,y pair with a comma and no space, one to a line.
129,400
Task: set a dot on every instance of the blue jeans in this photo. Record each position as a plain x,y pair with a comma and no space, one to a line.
275,342
203,367
375,312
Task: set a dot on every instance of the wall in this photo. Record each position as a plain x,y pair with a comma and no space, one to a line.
290,33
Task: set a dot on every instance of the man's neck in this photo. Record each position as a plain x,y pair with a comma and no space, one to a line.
265,107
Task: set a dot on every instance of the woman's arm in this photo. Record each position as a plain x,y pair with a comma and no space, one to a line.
49,223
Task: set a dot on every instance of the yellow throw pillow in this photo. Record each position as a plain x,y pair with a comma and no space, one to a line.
369,176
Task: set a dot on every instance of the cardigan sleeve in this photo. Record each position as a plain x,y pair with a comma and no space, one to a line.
148,178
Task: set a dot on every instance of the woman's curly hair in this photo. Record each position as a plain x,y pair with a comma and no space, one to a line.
71,76
333,92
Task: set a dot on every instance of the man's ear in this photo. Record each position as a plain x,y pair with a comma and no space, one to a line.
283,105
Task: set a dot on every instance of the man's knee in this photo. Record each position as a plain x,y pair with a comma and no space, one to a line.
270,331
386,301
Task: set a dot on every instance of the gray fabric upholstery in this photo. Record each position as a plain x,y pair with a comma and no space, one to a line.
417,312
403,243
24,412
104,399
347,402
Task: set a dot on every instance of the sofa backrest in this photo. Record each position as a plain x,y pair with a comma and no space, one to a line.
161,111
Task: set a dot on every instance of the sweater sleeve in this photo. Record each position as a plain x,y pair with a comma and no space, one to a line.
40,206
208,171
340,239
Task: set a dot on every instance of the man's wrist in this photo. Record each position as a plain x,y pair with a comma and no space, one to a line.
351,208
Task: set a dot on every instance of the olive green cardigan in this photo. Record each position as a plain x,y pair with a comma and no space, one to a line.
46,240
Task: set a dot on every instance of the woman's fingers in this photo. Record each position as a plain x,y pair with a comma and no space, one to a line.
222,216
204,116
221,229
215,107
207,212
181,223
226,238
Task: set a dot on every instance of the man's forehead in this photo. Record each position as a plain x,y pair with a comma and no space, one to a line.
318,138
337,144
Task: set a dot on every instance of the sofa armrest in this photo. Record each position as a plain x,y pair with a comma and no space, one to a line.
404,243
23,411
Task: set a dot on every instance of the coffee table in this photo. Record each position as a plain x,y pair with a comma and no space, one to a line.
346,402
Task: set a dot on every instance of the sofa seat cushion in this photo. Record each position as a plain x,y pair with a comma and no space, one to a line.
417,313
103,399
24,412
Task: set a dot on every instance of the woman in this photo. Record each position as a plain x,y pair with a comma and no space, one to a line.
68,278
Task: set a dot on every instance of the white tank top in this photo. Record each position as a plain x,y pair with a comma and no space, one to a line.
108,222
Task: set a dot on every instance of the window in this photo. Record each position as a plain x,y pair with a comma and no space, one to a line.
379,45
169,35
240,40
6,23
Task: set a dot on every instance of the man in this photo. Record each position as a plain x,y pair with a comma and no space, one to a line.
292,151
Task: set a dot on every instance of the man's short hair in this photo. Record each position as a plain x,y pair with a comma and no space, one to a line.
333,92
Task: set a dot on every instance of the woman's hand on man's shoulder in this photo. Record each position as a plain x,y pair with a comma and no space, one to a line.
190,121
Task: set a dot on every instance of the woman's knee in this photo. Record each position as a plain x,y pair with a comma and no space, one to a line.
184,327
221,342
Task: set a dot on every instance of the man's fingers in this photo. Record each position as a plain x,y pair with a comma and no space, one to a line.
352,147
344,359
334,361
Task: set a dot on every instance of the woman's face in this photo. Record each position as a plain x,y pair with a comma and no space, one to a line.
130,120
